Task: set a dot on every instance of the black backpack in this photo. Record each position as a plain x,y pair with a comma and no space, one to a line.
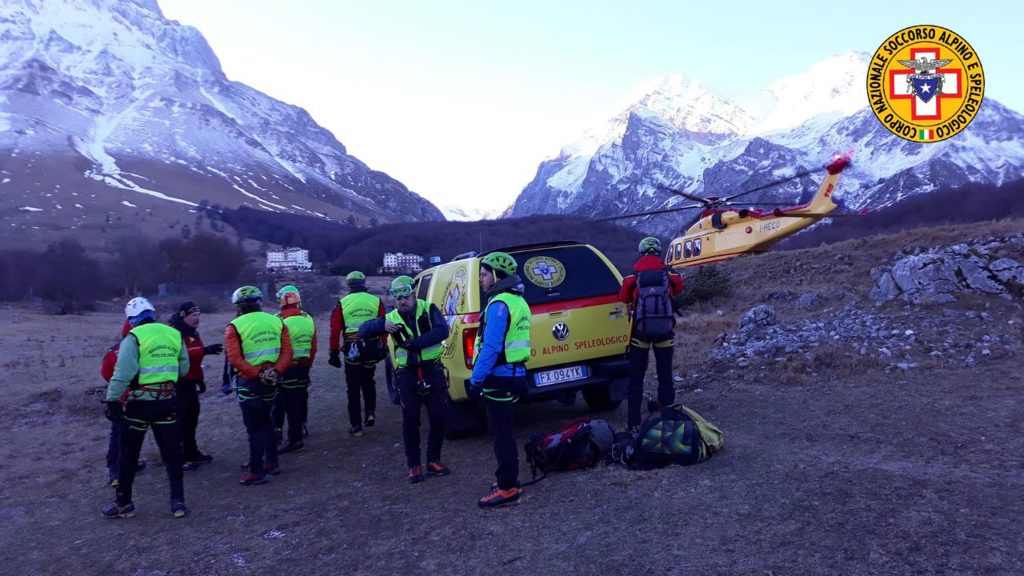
673,435
581,444
653,318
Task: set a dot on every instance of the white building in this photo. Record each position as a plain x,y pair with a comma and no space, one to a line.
288,259
399,263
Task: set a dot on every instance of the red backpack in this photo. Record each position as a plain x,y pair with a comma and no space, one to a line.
581,444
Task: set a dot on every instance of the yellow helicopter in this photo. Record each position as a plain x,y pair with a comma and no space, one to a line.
720,232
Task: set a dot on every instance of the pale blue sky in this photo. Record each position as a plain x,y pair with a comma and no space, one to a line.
462,100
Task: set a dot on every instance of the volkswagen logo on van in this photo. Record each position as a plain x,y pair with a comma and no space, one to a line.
560,331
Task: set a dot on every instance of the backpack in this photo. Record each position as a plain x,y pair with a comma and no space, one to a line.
653,318
673,435
581,444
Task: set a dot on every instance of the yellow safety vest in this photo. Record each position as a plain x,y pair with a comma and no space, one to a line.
159,350
261,336
301,330
516,347
401,355
356,308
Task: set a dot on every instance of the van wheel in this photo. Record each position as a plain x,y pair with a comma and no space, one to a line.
599,399
465,419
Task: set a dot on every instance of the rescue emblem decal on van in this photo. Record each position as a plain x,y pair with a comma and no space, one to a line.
544,271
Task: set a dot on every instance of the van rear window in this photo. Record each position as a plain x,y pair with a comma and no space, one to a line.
564,273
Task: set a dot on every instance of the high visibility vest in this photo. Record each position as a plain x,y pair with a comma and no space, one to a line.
301,330
356,308
401,355
159,350
261,336
516,348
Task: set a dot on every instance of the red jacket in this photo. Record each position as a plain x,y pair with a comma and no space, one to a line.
338,326
194,345
646,263
110,358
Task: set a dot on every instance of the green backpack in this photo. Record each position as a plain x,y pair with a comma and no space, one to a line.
673,435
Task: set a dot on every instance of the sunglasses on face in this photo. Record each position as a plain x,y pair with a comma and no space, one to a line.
399,294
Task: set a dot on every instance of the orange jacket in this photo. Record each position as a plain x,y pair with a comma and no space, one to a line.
233,350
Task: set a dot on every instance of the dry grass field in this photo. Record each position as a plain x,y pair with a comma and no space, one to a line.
836,468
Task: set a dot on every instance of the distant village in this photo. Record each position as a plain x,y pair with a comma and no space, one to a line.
297,260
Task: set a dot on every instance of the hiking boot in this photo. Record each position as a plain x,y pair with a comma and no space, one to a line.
305,431
415,474
250,479
653,406
199,458
356,430
272,469
370,420
118,511
178,509
244,465
189,466
290,447
437,469
499,498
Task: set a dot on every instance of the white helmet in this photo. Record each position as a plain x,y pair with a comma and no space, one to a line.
137,306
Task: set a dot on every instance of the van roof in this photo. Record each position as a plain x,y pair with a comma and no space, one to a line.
521,247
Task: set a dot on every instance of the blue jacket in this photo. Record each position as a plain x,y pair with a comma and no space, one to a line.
495,326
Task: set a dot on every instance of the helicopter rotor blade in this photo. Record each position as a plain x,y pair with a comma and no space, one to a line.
796,176
650,213
688,196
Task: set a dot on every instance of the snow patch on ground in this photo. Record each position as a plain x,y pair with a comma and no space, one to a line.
29,209
128,204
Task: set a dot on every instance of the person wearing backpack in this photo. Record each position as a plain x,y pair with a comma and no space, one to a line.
361,355
649,293
151,358
499,372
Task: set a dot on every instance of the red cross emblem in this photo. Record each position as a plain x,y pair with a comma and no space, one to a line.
952,87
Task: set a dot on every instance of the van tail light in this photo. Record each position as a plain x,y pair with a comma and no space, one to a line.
468,343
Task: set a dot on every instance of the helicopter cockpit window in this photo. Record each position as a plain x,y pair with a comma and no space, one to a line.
679,250
688,249
696,247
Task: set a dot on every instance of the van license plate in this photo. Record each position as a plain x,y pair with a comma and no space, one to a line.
567,374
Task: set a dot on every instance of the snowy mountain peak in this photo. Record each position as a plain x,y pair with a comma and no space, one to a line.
111,99
689,106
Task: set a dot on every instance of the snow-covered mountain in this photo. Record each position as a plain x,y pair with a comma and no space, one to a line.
679,135
467,214
109,111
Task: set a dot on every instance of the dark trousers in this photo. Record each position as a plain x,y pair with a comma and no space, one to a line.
188,417
114,447
500,401
638,353
139,416
292,401
359,381
436,401
257,401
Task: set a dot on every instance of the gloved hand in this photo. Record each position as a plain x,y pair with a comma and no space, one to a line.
113,411
268,376
213,349
201,386
225,388
475,391
335,359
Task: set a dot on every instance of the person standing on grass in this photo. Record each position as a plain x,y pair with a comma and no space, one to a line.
361,355
417,329
649,294
151,359
499,369
188,389
259,348
114,442
293,388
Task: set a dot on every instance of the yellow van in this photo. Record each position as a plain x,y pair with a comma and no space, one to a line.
578,333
